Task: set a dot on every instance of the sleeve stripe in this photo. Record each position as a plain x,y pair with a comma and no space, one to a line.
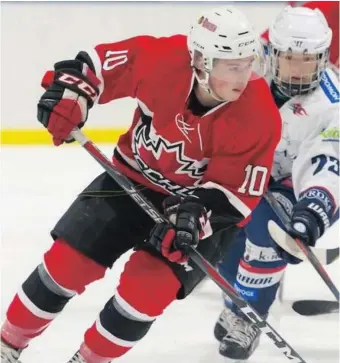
98,68
233,199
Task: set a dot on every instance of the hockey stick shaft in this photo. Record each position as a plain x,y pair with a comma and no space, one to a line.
195,256
276,206
115,174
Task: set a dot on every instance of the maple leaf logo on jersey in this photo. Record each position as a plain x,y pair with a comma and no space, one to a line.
298,109
164,163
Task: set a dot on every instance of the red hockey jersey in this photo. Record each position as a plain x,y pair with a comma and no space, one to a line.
172,150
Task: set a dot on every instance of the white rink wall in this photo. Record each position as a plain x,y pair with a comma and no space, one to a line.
36,35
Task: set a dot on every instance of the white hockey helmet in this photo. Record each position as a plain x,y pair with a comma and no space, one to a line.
224,33
299,31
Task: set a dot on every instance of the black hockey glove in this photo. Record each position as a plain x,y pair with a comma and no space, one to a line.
311,216
71,90
188,221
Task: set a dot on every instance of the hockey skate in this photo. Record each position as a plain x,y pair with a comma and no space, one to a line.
238,337
9,354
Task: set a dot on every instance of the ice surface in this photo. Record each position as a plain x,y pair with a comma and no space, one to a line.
38,184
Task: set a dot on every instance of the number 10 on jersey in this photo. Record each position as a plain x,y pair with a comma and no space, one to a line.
254,181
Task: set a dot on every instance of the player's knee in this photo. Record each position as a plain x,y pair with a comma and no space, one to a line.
67,270
147,285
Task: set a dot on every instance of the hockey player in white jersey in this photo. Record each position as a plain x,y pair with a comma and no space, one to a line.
305,174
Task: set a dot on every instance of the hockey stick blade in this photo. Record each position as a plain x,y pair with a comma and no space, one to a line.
325,256
332,254
315,307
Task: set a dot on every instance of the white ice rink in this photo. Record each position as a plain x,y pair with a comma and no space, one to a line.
38,184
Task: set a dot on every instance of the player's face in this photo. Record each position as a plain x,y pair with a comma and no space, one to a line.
297,68
229,77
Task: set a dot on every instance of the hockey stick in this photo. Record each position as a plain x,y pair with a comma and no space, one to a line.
325,256
276,206
307,307
195,256
315,307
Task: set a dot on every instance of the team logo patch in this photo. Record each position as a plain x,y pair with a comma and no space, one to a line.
152,151
298,109
207,24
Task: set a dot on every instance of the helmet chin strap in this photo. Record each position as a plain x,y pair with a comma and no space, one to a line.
204,83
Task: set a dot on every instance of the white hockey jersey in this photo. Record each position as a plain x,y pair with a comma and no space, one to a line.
309,148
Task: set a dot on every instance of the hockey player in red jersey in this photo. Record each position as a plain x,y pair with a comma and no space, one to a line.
200,147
